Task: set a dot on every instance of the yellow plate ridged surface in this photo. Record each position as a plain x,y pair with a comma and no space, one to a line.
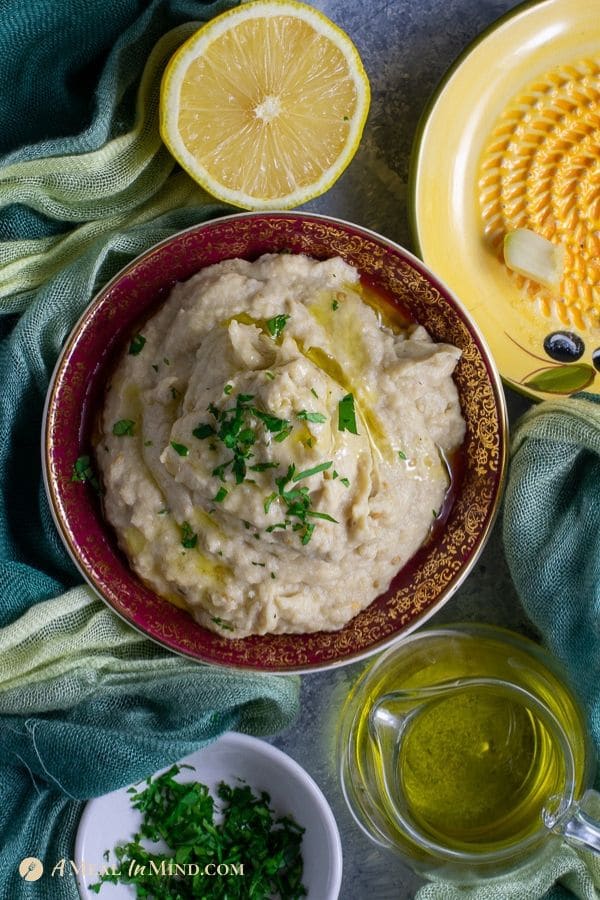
541,170
265,105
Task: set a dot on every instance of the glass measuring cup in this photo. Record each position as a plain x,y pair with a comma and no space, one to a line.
464,750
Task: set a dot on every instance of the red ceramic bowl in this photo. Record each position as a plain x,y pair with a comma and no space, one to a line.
421,587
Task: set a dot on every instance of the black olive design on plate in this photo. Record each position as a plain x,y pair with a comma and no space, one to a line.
566,347
596,358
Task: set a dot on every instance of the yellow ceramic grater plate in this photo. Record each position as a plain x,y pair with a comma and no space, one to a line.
511,139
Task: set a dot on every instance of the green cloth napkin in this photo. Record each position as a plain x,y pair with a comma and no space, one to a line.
551,533
87,705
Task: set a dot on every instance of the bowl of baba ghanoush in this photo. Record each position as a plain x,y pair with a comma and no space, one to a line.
275,441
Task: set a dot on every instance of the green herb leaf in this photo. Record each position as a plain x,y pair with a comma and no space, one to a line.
83,471
345,482
319,515
269,501
347,415
283,435
137,344
220,495
180,449
322,467
271,423
228,389
401,454
262,467
124,427
203,430
308,533
222,623
189,538
276,325
311,416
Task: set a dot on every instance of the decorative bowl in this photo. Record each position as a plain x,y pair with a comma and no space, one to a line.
75,392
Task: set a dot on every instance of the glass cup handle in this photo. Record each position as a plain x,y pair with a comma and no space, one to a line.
577,826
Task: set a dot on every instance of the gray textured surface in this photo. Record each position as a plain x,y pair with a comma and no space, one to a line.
406,47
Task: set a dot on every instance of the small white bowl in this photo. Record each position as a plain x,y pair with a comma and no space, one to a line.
111,820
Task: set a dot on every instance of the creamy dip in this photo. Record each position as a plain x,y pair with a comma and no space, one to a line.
271,451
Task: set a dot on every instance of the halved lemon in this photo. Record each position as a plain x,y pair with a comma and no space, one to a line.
265,105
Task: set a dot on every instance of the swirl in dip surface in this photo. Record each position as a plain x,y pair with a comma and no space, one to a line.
271,451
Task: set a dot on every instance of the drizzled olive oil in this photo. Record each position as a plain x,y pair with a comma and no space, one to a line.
470,767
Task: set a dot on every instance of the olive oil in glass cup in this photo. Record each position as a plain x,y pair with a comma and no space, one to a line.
464,750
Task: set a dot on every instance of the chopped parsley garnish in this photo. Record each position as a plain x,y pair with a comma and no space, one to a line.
174,393
163,511
298,502
334,305
246,834
314,393
180,449
311,416
269,501
346,414
319,515
137,344
307,533
236,428
221,623
124,427
276,325
434,513
271,423
166,361
345,482
228,389
155,367
189,538
401,454
259,564
322,467
83,471
148,443
203,430
262,467
270,375
272,528
273,575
